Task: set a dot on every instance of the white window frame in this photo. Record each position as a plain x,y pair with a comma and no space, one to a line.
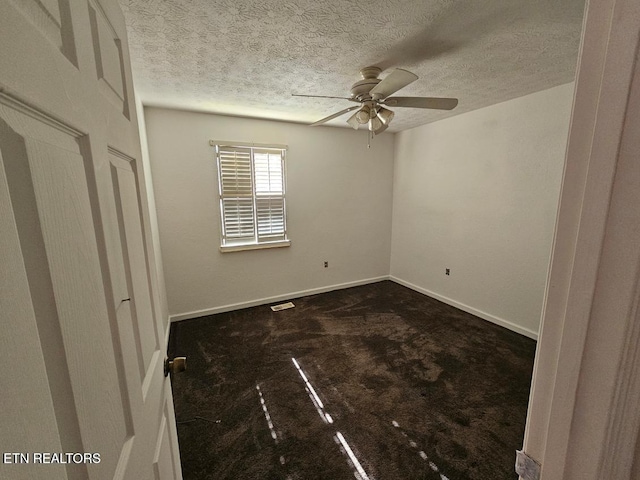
256,241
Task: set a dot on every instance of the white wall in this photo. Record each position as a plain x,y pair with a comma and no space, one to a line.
338,209
478,193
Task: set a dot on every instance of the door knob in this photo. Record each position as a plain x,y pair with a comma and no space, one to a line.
177,365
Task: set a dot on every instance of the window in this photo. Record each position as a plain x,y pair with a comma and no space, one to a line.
252,196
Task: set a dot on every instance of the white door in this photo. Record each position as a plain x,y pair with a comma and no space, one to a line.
84,333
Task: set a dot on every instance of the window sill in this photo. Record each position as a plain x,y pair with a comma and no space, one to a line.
254,246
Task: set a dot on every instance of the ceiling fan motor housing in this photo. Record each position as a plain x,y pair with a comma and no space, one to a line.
360,90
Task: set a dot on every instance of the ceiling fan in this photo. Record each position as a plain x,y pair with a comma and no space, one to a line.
373,95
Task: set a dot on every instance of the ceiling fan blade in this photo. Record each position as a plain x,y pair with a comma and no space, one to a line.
335,115
353,121
422,102
393,82
323,96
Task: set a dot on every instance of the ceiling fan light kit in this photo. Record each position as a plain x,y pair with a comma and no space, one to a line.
363,115
385,115
376,126
373,95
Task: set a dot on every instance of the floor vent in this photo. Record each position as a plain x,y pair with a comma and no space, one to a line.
282,306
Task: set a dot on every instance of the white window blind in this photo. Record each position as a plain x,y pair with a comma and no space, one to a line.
252,196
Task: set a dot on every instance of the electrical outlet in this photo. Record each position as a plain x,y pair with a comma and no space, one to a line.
326,264
447,271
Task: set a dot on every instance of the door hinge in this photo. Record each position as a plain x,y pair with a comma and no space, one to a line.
527,467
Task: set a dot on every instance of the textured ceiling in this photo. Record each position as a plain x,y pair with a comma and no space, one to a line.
246,57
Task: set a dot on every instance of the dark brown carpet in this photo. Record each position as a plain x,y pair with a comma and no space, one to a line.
416,389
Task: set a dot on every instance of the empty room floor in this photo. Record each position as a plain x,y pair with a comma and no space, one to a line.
371,382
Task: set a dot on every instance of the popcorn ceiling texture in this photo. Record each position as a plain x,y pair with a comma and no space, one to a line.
246,57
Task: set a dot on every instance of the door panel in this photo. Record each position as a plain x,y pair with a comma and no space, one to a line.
28,373
53,20
59,180
19,152
107,49
132,240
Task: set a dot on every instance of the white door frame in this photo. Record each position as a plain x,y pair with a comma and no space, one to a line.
583,418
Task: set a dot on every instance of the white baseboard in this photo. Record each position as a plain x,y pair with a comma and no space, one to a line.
466,308
313,291
277,298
